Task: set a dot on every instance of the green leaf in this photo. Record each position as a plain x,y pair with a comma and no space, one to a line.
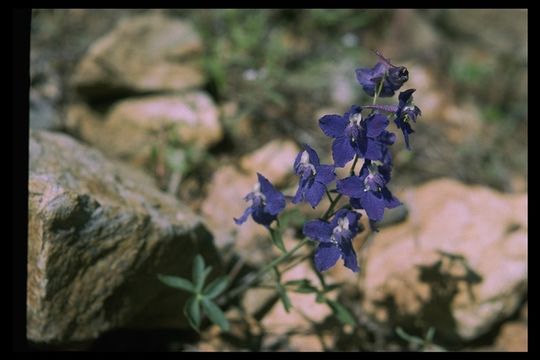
331,287
177,282
302,286
320,298
277,239
198,272
176,159
216,287
341,313
192,311
215,314
284,297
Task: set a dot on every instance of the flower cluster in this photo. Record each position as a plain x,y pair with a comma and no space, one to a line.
360,133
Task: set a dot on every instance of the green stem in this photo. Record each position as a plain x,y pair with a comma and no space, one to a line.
329,196
331,208
354,164
241,288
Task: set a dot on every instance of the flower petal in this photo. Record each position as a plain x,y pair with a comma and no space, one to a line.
315,193
275,201
353,217
375,124
405,96
342,151
355,203
351,186
333,125
242,219
299,194
297,161
313,157
325,174
341,213
375,150
326,256
390,200
349,255
318,230
373,203
260,216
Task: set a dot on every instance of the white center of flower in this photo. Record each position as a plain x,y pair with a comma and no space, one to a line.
355,119
257,192
304,162
373,170
366,182
343,224
408,108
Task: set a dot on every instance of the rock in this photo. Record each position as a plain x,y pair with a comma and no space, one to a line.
226,191
146,53
224,202
43,114
98,234
274,160
134,126
459,262
305,310
513,337
45,94
310,343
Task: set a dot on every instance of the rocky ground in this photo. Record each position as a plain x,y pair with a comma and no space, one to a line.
147,129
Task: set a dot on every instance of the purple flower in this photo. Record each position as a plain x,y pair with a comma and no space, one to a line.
266,203
335,239
368,190
355,135
406,111
394,77
313,177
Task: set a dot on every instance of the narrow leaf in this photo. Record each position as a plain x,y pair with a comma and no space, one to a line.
284,297
177,282
341,313
302,286
320,298
216,287
215,314
198,272
300,282
277,239
202,280
192,310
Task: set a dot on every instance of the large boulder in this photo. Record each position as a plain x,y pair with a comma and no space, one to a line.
99,232
133,127
459,263
146,53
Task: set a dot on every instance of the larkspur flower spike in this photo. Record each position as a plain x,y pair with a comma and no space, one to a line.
360,133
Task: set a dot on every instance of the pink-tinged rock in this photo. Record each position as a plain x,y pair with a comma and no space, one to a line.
146,53
488,229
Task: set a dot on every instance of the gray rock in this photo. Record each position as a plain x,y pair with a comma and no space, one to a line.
146,53
98,234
